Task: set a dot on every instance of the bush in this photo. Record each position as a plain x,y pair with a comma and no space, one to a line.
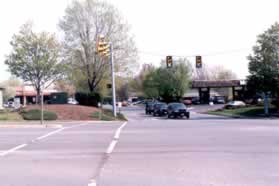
36,115
275,102
91,99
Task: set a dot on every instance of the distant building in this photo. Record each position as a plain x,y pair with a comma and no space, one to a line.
27,94
1,98
205,89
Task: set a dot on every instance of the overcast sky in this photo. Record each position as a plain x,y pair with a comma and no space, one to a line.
223,31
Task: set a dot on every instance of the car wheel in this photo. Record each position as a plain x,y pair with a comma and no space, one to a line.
169,116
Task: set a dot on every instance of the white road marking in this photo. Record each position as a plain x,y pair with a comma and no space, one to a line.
117,133
116,138
4,153
13,150
92,183
50,134
111,146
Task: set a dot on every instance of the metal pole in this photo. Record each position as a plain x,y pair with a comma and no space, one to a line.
42,106
266,110
113,81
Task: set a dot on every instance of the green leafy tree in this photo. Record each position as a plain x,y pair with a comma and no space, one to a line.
35,58
264,63
10,88
170,84
136,84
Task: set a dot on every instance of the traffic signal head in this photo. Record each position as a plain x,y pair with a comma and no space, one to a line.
169,61
103,47
198,62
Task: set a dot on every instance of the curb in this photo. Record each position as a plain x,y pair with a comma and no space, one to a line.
50,124
31,126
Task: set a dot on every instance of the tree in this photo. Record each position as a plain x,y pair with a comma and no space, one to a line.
10,88
170,84
65,86
35,58
83,22
264,63
136,84
214,73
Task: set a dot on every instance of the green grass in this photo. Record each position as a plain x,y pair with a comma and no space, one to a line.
10,116
35,115
254,111
107,115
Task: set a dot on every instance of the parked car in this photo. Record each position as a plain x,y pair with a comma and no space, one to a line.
9,104
178,110
187,101
160,109
72,101
219,100
149,107
235,104
196,100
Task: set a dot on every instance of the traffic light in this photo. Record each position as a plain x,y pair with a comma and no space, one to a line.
198,62
103,47
169,61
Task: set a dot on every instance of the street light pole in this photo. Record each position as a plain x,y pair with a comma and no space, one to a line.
42,106
113,80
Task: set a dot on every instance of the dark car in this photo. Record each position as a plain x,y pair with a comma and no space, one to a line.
196,100
149,107
176,110
160,109
219,100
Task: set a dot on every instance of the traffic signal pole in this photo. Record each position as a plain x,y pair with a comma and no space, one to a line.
113,81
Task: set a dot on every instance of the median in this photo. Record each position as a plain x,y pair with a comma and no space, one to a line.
245,112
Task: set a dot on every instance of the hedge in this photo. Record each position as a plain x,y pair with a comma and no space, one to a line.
88,99
36,115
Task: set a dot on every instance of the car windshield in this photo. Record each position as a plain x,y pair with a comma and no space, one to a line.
179,106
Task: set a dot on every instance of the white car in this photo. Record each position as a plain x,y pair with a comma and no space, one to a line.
72,101
235,104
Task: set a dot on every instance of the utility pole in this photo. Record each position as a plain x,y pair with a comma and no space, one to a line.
105,49
42,106
113,81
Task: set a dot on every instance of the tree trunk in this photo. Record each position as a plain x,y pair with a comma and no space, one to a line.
38,91
91,87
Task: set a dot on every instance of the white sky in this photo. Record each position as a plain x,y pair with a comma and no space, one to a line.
163,27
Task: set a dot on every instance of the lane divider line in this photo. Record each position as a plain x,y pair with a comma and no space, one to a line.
118,131
109,150
12,150
4,153
92,183
111,146
50,134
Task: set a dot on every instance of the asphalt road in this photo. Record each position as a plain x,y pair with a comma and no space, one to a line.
71,157
203,151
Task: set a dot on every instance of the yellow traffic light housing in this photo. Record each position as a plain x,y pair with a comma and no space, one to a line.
169,61
103,47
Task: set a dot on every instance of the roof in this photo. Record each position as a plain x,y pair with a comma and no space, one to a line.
217,84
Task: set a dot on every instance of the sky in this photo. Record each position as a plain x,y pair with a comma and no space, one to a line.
222,31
